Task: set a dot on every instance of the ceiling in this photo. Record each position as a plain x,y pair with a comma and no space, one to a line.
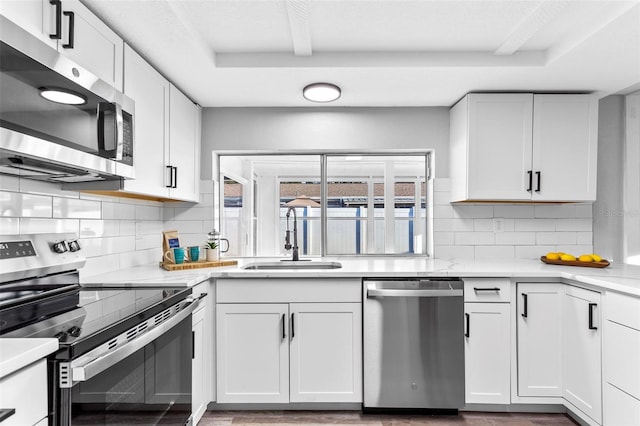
232,53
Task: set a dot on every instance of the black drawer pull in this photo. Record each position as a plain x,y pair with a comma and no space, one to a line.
476,289
72,25
524,310
538,175
293,326
530,173
58,34
284,336
591,306
467,318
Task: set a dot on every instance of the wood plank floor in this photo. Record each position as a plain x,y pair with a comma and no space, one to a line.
310,418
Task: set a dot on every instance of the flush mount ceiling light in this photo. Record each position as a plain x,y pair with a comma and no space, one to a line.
62,96
321,92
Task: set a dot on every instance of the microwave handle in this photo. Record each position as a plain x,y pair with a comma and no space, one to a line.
119,133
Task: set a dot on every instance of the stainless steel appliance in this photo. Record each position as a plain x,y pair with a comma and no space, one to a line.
125,353
413,340
85,136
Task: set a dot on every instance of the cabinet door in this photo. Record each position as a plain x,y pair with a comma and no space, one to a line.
95,46
499,153
252,353
183,146
487,349
198,394
326,352
539,322
565,138
34,16
150,91
582,360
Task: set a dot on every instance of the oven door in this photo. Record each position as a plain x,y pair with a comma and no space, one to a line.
146,381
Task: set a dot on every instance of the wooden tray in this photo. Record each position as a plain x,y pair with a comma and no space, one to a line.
602,264
198,264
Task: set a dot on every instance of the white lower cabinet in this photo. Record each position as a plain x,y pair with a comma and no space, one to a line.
289,340
281,353
539,328
621,360
32,381
487,353
582,367
199,393
325,352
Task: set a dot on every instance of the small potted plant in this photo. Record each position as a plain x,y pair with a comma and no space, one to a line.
212,251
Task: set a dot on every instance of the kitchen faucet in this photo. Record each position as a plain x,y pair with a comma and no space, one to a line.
299,201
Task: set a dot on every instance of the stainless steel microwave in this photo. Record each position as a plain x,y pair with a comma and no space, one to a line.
58,121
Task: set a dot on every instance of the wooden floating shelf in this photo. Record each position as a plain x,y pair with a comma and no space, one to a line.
196,265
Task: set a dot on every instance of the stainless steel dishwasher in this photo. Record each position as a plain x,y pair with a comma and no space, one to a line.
413,336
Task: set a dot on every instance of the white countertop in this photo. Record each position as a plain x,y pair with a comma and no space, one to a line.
622,278
17,353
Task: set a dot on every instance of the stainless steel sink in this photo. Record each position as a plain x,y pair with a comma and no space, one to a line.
290,264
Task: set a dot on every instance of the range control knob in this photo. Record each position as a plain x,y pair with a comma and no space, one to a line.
74,245
74,331
60,247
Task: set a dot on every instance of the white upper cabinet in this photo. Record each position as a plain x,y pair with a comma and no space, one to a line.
166,135
75,31
523,147
150,91
183,166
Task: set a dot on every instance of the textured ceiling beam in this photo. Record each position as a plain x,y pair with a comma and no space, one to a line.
298,14
539,17
380,60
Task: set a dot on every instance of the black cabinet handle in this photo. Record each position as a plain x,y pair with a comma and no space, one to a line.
72,25
293,326
193,345
476,289
591,306
538,176
467,318
175,177
58,34
530,172
284,336
524,310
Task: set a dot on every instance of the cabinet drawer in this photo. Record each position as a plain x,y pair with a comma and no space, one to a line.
620,409
288,290
622,352
623,309
487,289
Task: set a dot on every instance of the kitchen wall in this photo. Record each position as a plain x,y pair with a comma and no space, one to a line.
526,231
114,232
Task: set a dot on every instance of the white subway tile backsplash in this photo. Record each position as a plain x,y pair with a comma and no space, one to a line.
516,238
584,238
533,252
513,211
91,247
443,238
463,225
573,224
494,252
441,198
584,210
9,183
146,212
145,242
449,252
100,265
150,227
71,208
555,238
99,228
193,213
9,225
474,238
28,186
442,212
441,184
483,225
472,211
35,226
438,225
186,226
534,224
127,227
16,204
576,249
118,211
555,211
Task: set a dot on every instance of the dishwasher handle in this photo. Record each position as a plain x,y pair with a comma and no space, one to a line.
372,292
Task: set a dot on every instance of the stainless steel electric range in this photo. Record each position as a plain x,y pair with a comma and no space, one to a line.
125,353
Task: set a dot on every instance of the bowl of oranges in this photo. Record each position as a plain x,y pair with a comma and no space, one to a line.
592,260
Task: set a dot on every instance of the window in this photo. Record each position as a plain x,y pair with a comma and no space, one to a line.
366,204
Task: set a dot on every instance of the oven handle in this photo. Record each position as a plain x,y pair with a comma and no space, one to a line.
84,371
